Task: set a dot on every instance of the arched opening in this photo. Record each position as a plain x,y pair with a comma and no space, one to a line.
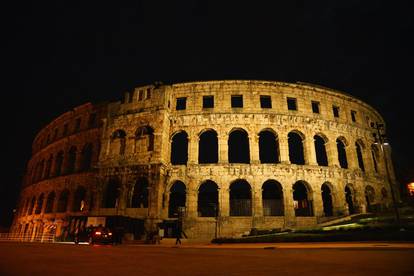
349,198
208,199
268,147
31,206
70,168
359,156
301,199
343,162
49,202
86,157
144,139
240,198
179,148
48,167
79,199
118,142
59,163
63,201
140,194
370,198
327,200
112,194
208,147
238,147
40,167
176,204
272,197
320,149
296,154
39,204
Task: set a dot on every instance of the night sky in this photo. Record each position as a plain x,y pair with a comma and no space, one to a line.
57,56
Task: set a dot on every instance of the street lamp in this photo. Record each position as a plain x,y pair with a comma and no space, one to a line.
380,138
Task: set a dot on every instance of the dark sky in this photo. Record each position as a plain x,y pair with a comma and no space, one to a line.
57,56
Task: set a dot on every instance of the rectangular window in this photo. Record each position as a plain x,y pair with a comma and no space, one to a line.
181,103
353,116
140,95
265,101
291,103
315,107
236,101
148,93
77,124
208,101
335,110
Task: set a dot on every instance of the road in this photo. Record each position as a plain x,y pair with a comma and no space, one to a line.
257,259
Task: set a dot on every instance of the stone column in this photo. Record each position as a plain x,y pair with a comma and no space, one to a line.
332,153
351,155
289,211
193,141
254,148
284,148
257,202
223,149
191,202
317,203
224,202
309,150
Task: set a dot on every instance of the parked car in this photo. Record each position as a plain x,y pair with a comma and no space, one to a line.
96,234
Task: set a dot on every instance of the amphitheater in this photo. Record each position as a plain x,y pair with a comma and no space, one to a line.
217,158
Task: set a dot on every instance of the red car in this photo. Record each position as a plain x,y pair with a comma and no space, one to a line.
98,234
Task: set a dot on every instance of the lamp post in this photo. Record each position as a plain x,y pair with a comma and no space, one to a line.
380,138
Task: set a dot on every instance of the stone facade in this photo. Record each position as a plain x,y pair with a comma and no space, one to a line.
149,151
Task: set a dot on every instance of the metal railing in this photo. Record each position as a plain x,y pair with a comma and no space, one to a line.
12,237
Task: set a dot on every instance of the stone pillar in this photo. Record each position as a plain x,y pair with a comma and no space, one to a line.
191,202
332,153
317,203
224,202
193,142
284,148
223,149
254,148
351,155
309,150
289,211
257,202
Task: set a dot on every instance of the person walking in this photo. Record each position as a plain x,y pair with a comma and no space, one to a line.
177,235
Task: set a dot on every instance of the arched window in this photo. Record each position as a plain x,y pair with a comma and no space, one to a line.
48,167
208,147
31,206
179,148
296,154
177,200
58,163
49,202
118,142
302,200
321,157
140,194
343,162
70,168
112,193
40,170
79,199
238,147
272,197
208,205
86,157
63,201
369,197
144,139
240,198
327,200
349,198
268,147
359,156
39,204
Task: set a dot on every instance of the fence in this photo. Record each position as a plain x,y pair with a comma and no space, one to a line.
12,237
